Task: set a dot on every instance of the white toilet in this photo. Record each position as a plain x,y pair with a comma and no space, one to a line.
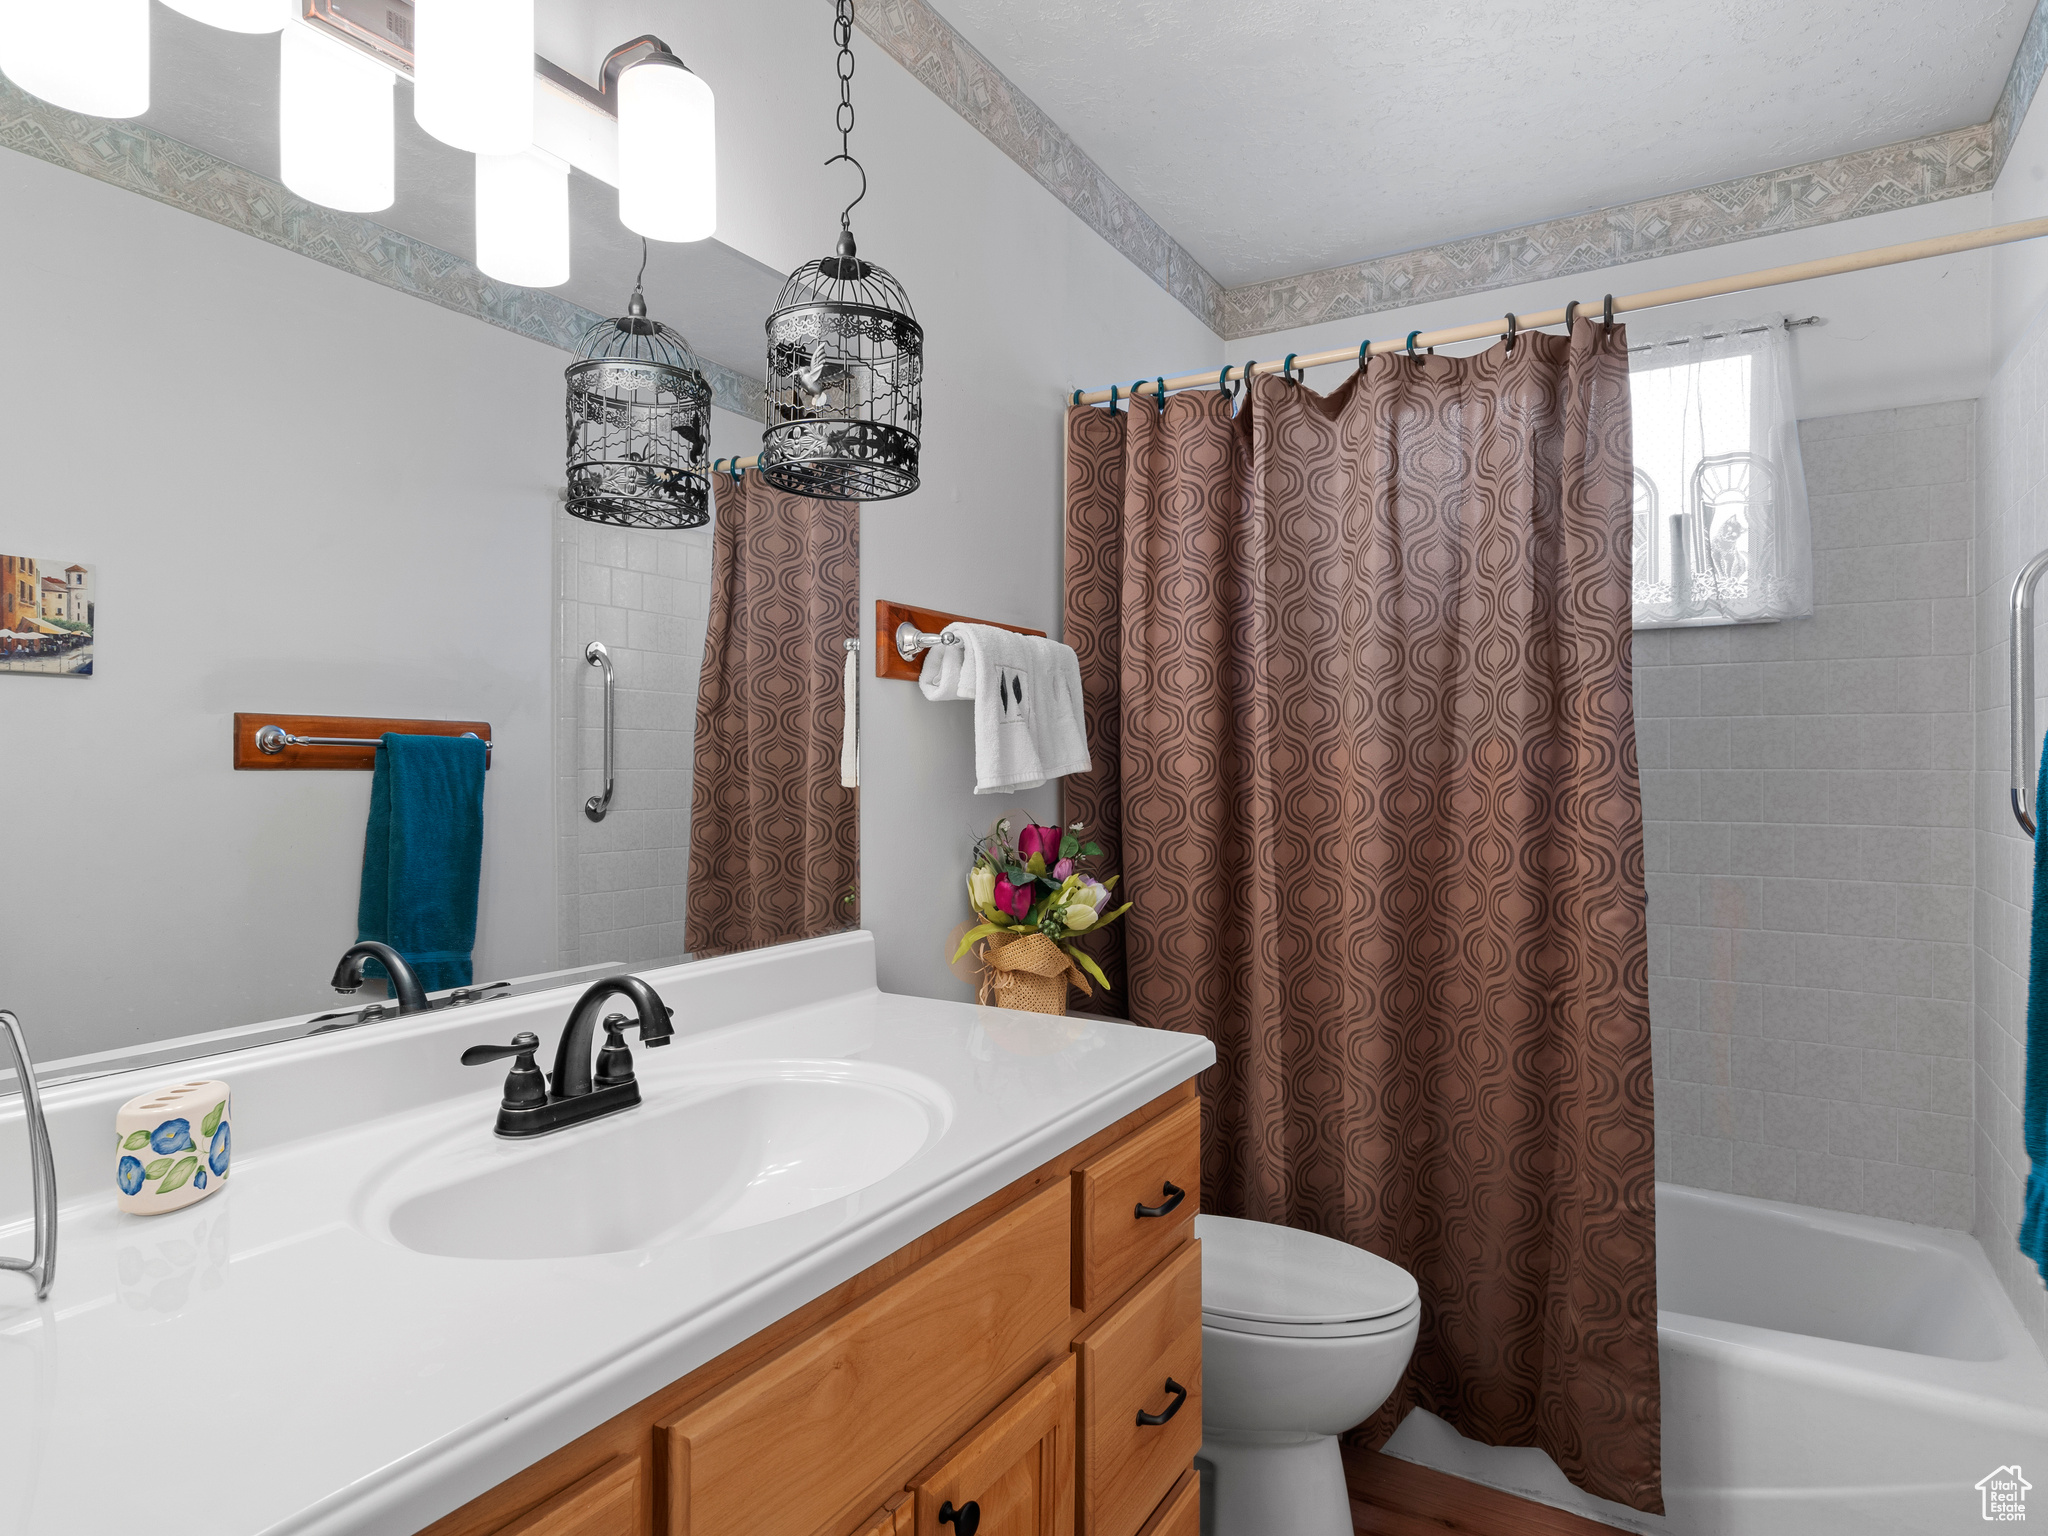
1302,1337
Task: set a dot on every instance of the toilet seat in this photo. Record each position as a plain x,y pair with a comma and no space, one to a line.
1277,1282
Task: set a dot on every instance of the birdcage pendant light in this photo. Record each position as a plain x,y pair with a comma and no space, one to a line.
845,359
639,425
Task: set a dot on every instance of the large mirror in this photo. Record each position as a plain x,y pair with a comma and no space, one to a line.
261,458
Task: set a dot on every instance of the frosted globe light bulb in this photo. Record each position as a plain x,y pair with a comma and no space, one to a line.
337,144
472,83
668,152
522,218
89,56
238,15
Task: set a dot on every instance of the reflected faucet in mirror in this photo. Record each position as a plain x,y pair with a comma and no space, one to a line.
348,975
533,1106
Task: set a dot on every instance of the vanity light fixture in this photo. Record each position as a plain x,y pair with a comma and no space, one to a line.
845,359
639,424
89,56
336,139
472,73
522,218
238,15
668,143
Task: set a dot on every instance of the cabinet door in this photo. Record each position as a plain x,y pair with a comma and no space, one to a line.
606,1503
821,1433
1135,1204
1014,1470
1138,1433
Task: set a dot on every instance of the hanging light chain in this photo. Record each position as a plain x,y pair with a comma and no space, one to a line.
842,33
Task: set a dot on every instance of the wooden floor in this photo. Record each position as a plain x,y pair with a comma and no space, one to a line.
1391,1497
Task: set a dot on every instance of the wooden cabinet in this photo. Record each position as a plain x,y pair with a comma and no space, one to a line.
1002,1359
606,1503
1141,1397
1135,1203
1014,1471
823,1430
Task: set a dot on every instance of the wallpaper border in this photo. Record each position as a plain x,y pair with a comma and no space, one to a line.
138,159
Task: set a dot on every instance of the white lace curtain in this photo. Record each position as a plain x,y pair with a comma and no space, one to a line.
1721,534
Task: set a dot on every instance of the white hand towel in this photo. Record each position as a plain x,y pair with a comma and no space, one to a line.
1026,691
849,723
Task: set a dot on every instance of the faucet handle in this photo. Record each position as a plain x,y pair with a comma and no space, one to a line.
524,1084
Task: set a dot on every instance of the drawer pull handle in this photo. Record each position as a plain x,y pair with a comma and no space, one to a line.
1174,1195
1180,1395
966,1520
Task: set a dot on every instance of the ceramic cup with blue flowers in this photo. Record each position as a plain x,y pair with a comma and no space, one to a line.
172,1146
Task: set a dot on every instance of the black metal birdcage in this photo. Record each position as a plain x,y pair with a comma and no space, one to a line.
639,426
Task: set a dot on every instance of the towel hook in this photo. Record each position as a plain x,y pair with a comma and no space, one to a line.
597,806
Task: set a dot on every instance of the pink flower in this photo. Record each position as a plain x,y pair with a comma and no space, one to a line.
1044,841
1064,868
1013,899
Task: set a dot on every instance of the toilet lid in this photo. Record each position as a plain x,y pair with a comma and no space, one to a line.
1256,1272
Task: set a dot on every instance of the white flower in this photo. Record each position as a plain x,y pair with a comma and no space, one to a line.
1078,916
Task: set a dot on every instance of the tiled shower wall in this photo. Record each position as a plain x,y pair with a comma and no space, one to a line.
2012,526
1807,809
647,596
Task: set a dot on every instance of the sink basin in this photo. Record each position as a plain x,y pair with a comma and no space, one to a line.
710,1153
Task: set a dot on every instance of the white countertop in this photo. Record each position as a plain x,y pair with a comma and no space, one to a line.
271,1360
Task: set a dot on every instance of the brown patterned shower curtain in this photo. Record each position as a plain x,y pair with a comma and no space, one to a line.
1357,679
774,840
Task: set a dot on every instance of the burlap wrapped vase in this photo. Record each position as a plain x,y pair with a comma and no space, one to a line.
1028,971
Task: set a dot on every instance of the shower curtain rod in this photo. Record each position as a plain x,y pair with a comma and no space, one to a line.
1827,266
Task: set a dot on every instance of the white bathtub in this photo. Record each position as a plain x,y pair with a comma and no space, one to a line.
1822,1374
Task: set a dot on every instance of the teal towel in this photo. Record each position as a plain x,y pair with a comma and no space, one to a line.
422,855
2034,1113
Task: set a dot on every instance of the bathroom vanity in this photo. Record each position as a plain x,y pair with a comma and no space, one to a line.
858,1263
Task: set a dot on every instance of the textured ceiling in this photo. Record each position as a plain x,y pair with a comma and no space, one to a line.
1273,137
218,91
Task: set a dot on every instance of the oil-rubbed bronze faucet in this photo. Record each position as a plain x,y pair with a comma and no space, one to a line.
533,1105
349,974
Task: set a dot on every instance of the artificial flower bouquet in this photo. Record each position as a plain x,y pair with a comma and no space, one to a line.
1033,902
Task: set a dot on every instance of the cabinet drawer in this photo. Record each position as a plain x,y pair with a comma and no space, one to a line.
1014,1470
821,1433
1113,1243
896,1518
1180,1512
1153,1336
606,1503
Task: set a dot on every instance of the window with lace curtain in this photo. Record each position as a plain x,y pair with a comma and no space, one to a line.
1721,533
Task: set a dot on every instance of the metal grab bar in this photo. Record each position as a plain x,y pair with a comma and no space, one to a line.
42,1268
2020,666
596,806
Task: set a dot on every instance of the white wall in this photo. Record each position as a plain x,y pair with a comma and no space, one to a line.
2012,468
302,492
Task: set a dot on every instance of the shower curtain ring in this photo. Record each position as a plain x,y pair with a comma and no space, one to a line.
1160,385
1571,315
1362,348
1287,368
1223,380
1112,399
1411,342
1607,314
1077,397
1514,330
